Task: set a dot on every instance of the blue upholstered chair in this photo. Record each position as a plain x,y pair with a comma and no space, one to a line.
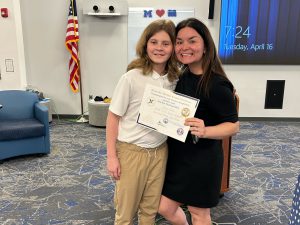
24,124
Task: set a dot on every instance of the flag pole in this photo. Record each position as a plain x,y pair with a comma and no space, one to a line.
80,88
81,119
72,44
74,12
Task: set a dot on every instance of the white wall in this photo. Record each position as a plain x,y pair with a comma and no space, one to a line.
13,75
103,49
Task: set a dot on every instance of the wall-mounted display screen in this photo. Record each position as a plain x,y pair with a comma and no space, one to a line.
260,32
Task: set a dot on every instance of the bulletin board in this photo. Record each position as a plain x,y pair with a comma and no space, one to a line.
139,18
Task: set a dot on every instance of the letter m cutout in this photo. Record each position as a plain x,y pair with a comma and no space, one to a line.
148,13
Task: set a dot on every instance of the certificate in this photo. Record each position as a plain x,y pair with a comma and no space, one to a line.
165,111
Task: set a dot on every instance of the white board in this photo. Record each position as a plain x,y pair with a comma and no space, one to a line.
139,18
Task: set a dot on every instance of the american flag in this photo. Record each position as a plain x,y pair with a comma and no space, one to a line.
72,38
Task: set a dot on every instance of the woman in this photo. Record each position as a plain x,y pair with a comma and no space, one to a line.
137,156
194,169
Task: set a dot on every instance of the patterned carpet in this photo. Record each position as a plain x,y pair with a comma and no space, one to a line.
70,185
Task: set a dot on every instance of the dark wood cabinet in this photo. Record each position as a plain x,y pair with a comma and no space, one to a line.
226,143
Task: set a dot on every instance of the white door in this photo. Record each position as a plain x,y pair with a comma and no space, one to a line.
12,63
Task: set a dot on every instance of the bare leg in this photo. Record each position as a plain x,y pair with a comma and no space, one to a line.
172,211
200,216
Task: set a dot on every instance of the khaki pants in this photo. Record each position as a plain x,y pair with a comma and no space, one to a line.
140,185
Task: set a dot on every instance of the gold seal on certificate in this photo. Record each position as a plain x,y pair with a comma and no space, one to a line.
185,112
165,111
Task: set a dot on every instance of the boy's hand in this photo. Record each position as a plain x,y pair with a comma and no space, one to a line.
113,167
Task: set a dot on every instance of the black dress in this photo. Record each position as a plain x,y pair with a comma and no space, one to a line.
194,171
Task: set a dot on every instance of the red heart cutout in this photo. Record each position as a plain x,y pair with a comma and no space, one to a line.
160,12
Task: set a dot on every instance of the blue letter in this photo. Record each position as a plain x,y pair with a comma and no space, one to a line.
172,13
148,13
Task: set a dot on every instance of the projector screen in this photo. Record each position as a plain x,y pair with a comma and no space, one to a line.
260,32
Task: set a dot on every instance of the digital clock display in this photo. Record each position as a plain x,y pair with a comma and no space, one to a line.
237,31
260,32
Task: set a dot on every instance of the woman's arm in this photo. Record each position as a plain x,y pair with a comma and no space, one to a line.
113,164
220,131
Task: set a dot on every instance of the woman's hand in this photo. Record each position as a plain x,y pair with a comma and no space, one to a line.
220,131
197,126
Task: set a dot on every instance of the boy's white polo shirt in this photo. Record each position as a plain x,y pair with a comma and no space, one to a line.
126,102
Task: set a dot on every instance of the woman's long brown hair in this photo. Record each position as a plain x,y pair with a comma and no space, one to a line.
211,63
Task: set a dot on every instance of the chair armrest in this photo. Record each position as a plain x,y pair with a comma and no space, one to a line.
41,114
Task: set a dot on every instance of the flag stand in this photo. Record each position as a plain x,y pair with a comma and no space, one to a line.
82,119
